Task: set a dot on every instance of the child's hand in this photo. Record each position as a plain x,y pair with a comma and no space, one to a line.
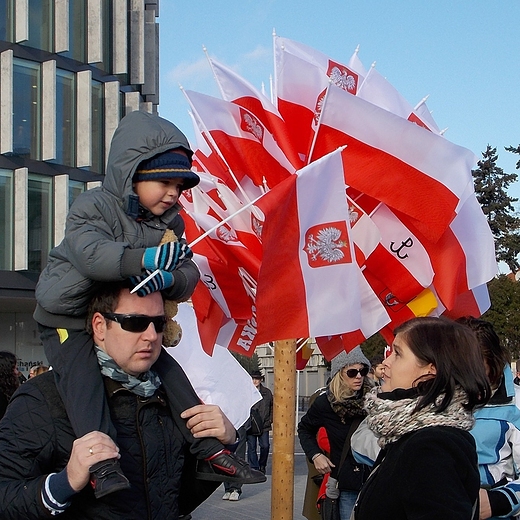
162,280
166,256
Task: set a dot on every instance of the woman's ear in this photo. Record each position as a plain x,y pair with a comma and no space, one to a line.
431,369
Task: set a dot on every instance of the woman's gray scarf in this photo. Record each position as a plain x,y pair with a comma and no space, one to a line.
144,385
391,419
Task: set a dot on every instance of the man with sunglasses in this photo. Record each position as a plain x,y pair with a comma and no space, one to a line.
45,470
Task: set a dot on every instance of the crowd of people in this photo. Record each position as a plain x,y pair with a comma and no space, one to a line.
116,430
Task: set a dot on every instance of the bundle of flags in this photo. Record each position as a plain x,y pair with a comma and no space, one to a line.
334,211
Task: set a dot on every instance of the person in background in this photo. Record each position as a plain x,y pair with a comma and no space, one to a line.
516,382
36,370
9,378
497,429
339,410
422,415
377,370
233,491
264,409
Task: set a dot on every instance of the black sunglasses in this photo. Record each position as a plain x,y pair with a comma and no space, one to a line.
136,322
353,372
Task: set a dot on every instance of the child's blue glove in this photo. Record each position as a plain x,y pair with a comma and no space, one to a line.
166,256
162,280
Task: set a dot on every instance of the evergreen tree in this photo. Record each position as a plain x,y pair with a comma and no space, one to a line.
491,183
504,313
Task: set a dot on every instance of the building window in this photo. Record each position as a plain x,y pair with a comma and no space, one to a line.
98,127
77,31
65,117
39,220
6,20
41,27
75,188
6,220
26,108
106,37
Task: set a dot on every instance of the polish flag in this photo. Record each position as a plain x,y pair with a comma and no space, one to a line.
464,256
237,90
302,76
299,84
409,169
308,283
247,147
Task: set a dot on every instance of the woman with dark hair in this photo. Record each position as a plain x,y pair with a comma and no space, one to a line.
427,467
9,379
497,429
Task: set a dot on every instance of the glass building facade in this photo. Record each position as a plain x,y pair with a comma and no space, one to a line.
68,72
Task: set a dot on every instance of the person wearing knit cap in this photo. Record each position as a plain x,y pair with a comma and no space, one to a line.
339,410
116,232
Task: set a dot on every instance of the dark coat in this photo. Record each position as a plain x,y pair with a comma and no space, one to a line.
321,414
430,474
36,439
265,407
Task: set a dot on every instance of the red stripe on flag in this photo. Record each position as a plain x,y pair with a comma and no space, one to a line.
288,296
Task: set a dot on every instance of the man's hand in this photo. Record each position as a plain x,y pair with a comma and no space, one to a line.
208,420
87,451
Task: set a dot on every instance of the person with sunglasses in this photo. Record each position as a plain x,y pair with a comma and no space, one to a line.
115,232
45,470
339,410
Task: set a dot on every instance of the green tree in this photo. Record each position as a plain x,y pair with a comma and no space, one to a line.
491,183
516,150
374,346
504,312
248,363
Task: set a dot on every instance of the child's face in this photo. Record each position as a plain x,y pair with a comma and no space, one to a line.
158,195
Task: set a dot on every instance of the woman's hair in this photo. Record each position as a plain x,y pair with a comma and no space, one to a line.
40,369
495,354
339,388
9,382
454,351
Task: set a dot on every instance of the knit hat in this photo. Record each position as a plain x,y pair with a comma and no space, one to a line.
167,165
343,359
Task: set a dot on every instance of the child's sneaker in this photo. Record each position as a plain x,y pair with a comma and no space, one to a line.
106,477
234,496
227,467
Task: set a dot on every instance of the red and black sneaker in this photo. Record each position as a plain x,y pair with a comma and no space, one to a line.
106,477
227,467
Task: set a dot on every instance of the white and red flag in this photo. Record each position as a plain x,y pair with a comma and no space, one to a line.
247,147
408,168
237,90
308,282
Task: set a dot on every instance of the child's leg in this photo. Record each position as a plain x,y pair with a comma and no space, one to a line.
182,396
216,463
79,382
78,379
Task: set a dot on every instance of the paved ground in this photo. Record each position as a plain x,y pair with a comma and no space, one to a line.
255,501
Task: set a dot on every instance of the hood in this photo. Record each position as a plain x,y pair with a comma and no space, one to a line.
139,136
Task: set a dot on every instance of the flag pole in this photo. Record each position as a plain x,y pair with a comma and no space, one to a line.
284,418
199,238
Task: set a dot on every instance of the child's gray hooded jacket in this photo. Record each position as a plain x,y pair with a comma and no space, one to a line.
107,230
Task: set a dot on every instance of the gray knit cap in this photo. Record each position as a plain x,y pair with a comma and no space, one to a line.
343,359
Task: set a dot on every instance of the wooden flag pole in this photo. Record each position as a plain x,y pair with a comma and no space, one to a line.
284,417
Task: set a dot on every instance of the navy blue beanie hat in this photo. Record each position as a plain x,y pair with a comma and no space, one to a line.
167,165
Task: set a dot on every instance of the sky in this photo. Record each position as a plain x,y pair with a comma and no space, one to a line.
463,54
